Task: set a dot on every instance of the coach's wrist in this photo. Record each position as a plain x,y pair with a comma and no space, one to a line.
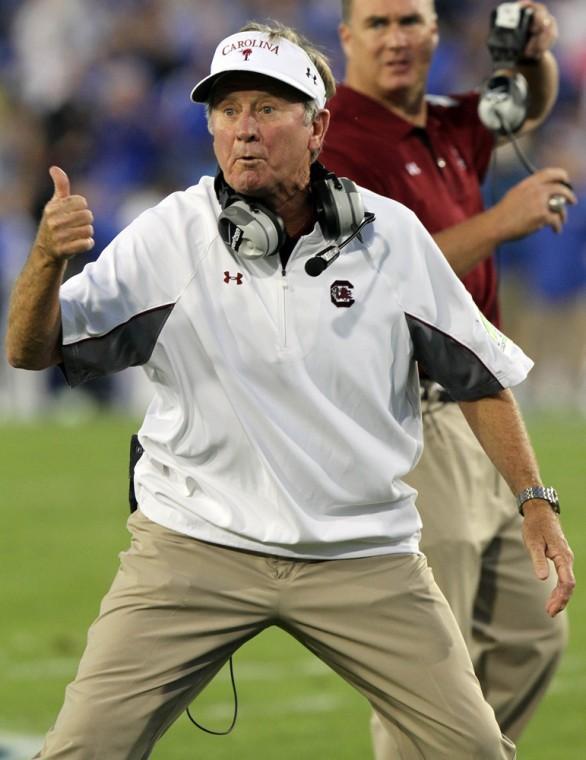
535,495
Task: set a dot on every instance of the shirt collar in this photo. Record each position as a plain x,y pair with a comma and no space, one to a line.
370,113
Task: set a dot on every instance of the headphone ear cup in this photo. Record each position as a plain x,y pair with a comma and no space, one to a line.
338,206
250,230
502,107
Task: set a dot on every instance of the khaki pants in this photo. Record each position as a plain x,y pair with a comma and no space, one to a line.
472,540
178,608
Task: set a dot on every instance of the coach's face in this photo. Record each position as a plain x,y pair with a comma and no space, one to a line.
388,46
262,140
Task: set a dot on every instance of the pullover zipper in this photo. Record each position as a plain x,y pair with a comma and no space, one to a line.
284,288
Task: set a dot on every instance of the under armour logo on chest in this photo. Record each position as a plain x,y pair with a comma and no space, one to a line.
412,169
237,277
461,164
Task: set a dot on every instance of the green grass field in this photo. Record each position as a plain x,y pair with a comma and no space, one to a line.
63,521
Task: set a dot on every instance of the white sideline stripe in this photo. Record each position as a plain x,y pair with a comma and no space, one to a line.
265,671
313,703
573,662
19,746
566,685
245,670
571,676
51,667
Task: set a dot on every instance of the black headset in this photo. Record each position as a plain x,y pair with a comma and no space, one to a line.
503,102
504,98
252,230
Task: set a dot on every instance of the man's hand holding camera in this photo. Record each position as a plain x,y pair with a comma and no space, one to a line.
543,31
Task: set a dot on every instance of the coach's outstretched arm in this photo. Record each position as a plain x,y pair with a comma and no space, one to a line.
497,423
34,317
521,211
524,208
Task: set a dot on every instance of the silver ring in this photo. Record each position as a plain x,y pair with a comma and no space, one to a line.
556,204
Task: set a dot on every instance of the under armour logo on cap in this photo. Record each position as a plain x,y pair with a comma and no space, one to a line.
266,54
309,75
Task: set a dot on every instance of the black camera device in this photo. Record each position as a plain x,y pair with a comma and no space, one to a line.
509,34
504,99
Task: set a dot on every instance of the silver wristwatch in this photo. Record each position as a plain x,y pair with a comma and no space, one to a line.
539,492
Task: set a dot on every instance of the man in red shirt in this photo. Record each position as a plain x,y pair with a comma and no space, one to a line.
431,154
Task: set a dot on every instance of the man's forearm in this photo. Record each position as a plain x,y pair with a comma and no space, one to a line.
499,427
497,424
521,211
34,318
543,80
467,244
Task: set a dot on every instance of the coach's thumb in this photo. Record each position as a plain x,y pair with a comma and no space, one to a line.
61,187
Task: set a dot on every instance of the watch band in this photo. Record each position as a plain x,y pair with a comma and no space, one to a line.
539,492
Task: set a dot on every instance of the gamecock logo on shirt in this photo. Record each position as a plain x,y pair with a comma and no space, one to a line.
341,293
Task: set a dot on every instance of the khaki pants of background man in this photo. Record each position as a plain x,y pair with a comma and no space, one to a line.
472,540
179,608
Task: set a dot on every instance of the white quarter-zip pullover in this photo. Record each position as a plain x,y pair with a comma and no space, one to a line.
286,408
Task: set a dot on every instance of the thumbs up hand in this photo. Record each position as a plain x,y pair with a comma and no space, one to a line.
66,226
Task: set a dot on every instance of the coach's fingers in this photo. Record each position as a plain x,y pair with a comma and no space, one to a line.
61,185
563,559
537,533
566,584
556,220
72,234
81,215
558,600
545,540
66,227
538,559
79,245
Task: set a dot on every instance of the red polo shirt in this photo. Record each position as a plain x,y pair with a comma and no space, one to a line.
436,171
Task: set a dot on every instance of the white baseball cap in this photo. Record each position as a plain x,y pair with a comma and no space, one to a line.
260,53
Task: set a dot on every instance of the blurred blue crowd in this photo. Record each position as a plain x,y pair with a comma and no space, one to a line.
102,90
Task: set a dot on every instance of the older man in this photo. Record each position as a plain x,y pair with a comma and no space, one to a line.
431,153
285,415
